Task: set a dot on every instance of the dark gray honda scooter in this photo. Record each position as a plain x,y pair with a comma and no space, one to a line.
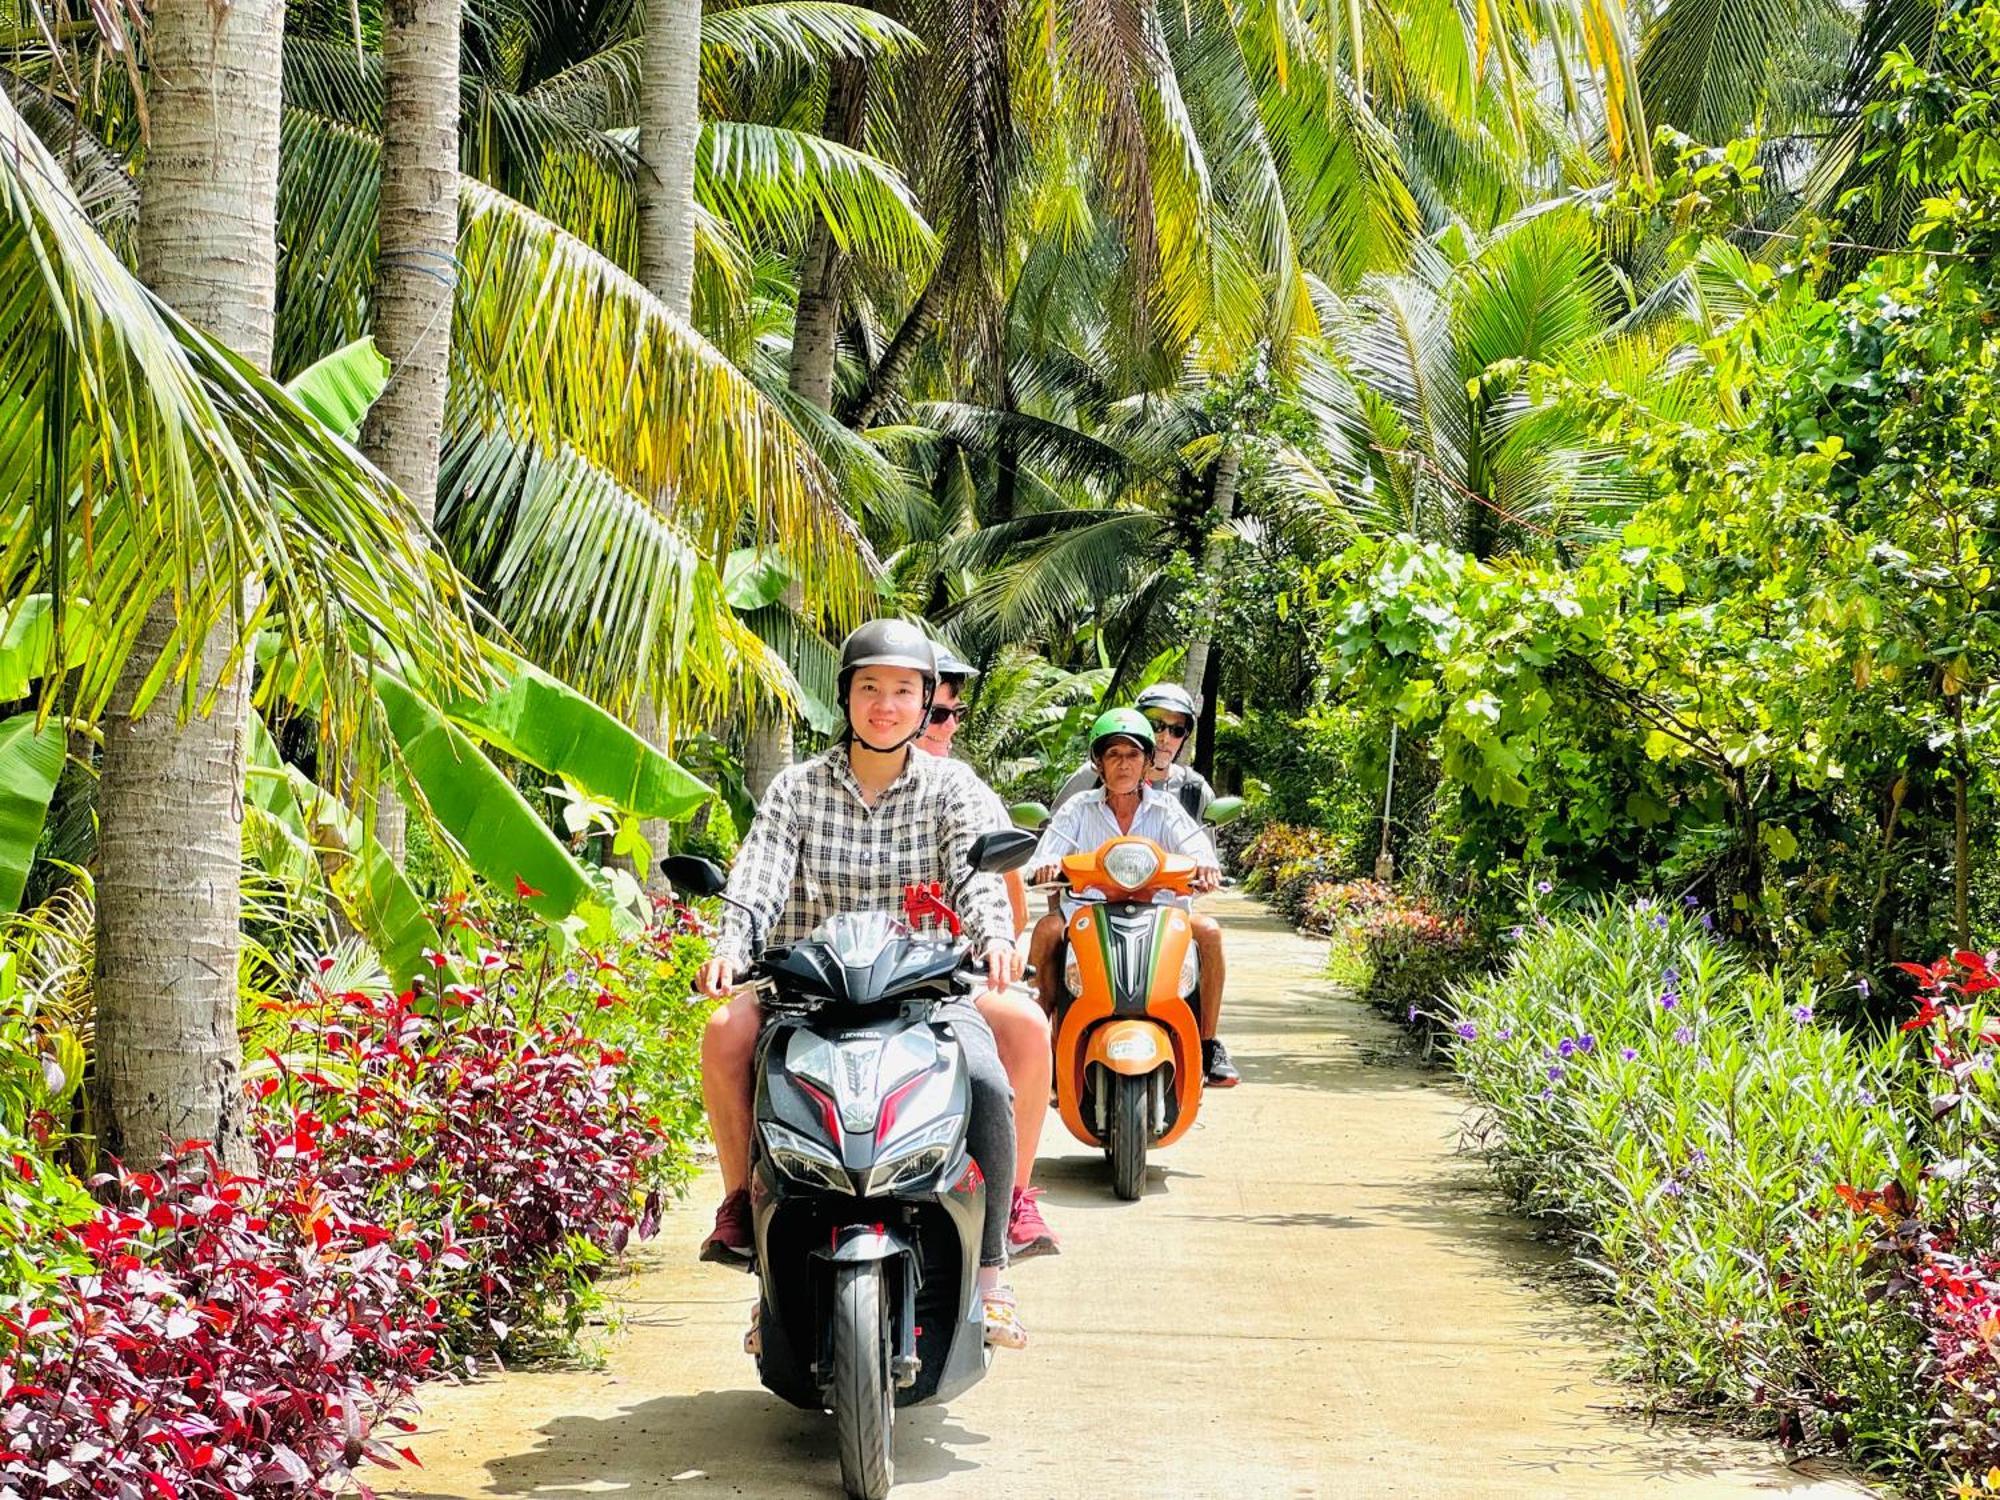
865,1203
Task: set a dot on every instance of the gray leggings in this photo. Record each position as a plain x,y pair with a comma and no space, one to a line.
990,1131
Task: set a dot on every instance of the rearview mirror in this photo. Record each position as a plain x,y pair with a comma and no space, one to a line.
1028,814
1224,810
692,875
1002,850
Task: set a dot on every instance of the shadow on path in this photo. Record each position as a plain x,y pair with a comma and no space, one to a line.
733,1438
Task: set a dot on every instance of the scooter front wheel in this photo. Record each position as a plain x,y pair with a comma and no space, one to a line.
1131,1132
864,1395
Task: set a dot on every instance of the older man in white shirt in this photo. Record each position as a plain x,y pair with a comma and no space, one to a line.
1121,747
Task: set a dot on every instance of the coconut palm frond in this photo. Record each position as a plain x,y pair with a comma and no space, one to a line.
138,459
581,355
597,585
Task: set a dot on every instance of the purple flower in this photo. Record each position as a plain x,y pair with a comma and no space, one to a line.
1867,1096
1708,921
1697,1157
1548,1093
1516,934
1861,987
1467,1030
1673,1189
1555,1073
1544,886
1566,1047
1586,1043
1643,904
1802,1013
1413,1015
1661,921
1684,1035
1504,1034
1670,999
1630,1054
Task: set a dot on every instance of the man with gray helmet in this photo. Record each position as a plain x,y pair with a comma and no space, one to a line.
1173,714
848,830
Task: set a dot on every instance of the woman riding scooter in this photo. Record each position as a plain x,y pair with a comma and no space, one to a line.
848,831
1121,749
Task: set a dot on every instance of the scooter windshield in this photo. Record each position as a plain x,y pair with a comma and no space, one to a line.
857,939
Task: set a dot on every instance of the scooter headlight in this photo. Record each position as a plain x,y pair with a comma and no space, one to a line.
805,1160
1131,865
921,1159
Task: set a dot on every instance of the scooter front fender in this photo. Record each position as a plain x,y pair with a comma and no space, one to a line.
1131,1047
859,1242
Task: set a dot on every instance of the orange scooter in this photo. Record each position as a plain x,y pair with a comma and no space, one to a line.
1127,1046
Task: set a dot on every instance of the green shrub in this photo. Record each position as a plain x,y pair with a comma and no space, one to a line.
1687,1117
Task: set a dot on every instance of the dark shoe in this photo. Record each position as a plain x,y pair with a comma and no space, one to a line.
1218,1072
730,1242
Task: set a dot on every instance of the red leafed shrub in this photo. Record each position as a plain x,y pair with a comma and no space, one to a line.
1329,903
232,1338
499,1148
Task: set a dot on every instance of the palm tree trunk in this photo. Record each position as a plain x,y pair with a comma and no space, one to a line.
415,267
1228,464
816,329
767,743
669,135
887,376
169,1062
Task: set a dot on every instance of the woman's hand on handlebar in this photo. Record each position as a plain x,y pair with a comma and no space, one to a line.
1045,874
717,977
1003,965
1207,878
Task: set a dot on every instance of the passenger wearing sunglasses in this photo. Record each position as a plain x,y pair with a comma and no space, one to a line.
1172,714
1020,1028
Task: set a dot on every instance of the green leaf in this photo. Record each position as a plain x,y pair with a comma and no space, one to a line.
381,903
501,835
754,577
1781,841
341,388
549,724
28,643
31,758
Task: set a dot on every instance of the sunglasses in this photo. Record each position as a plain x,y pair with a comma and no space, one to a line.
1176,727
942,715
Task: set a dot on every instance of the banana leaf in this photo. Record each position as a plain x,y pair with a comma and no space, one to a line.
31,759
27,645
547,723
753,577
341,388
383,906
505,842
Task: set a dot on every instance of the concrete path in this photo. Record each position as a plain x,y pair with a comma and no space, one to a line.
1317,1297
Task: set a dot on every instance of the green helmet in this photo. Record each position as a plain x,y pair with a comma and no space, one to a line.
1120,724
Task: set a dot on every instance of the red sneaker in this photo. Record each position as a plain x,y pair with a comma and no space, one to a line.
1028,1234
730,1243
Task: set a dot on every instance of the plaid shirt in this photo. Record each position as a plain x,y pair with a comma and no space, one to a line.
817,848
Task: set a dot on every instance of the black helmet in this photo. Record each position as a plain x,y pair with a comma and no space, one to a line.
888,643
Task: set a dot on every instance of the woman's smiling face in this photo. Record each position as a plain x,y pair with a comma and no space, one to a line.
886,704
